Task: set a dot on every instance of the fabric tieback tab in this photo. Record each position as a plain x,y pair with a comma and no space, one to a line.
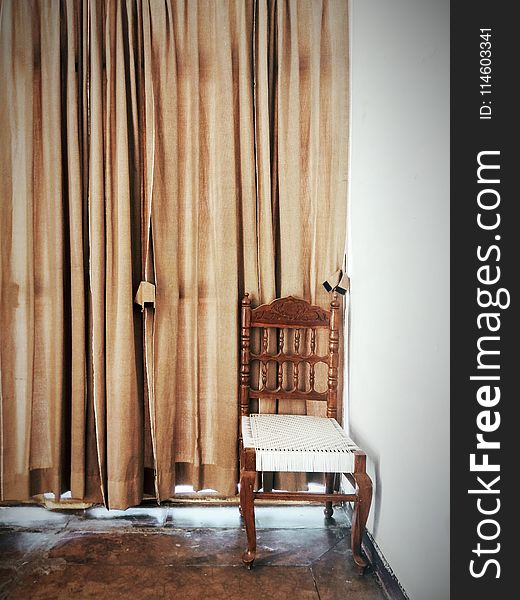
145,294
338,282
298,443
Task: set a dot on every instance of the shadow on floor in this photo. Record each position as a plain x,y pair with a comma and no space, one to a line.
188,552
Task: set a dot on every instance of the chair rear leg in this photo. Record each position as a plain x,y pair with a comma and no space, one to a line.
361,509
329,488
267,481
247,505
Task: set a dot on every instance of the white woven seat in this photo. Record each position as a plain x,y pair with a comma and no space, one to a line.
298,443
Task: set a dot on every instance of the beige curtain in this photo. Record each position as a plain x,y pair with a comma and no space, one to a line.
201,146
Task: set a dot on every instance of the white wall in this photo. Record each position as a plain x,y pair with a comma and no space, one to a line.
398,263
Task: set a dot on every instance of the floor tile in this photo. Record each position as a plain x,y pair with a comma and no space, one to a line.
266,517
293,547
7,575
31,517
203,516
14,545
101,519
308,517
190,583
194,547
337,578
153,549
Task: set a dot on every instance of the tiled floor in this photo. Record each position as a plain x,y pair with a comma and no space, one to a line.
187,552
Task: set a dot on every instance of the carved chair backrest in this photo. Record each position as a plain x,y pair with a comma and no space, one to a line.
287,336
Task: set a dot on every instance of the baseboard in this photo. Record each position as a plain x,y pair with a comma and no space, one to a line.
389,582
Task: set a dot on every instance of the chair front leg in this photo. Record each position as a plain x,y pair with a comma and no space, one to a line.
361,508
330,480
247,505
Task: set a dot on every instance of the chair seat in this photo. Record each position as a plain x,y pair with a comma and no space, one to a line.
298,443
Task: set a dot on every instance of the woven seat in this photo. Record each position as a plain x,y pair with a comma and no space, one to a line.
286,331
298,443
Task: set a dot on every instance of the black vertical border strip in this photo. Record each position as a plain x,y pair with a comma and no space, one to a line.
469,136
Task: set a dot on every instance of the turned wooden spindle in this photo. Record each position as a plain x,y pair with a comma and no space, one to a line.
265,347
281,341
332,398
312,365
296,365
264,375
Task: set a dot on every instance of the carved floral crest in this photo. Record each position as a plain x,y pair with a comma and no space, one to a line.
291,310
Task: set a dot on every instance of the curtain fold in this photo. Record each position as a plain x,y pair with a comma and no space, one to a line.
200,146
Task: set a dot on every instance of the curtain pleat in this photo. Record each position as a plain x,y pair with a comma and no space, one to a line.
123,417
17,276
75,247
199,146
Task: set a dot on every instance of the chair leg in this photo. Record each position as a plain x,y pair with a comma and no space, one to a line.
267,481
247,505
329,488
360,516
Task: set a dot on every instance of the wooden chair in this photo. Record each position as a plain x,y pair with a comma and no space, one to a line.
292,443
